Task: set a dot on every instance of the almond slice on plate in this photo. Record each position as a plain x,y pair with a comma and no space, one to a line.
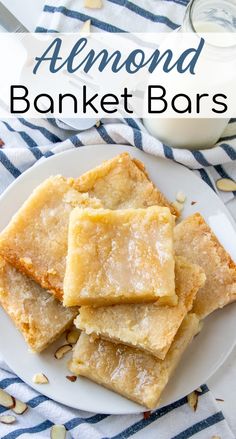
193,400
58,432
72,336
93,4
199,390
226,185
86,27
71,378
40,378
20,407
178,206
7,419
180,197
6,400
62,350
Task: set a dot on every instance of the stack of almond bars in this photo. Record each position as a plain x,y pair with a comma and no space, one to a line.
103,250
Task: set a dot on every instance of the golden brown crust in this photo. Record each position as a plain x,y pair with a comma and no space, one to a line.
28,271
38,316
128,182
195,240
141,166
225,257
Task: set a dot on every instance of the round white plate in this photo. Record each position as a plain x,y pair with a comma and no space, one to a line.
208,350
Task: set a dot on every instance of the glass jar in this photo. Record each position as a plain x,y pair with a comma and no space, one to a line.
202,16
210,16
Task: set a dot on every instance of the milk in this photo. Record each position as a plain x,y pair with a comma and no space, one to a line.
187,133
193,133
208,27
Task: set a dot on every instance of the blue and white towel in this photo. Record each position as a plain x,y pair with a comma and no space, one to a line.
23,142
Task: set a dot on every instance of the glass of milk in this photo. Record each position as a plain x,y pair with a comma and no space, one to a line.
202,16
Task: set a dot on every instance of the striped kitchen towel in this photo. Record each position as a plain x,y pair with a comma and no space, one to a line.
174,421
24,142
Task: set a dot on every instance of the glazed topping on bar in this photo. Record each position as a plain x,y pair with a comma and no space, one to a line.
120,256
150,327
133,373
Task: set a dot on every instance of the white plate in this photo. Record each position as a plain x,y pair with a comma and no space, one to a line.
208,350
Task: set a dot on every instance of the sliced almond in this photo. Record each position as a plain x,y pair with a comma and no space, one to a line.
193,400
60,352
71,378
6,400
58,432
180,197
146,415
178,206
72,336
20,407
7,419
40,378
215,437
93,4
226,185
98,123
86,27
199,390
